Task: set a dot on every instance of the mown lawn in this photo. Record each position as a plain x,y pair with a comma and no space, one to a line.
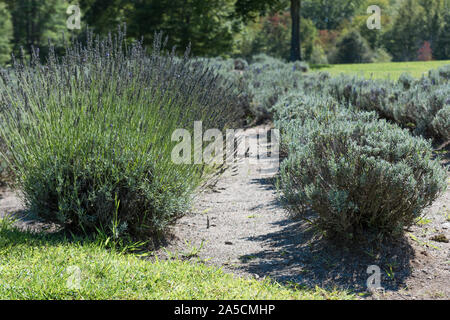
391,70
39,266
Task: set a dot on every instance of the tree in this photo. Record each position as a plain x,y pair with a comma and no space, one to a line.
442,43
432,18
352,48
359,21
35,22
105,15
6,34
206,25
249,9
329,14
425,53
295,38
406,34
271,35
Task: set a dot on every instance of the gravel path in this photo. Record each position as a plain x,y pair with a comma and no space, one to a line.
228,219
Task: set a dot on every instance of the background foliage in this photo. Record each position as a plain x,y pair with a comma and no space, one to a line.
239,27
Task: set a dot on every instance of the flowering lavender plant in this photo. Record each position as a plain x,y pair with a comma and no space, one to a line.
88,134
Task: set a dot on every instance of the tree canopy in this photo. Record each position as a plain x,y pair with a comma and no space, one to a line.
238,27
6,33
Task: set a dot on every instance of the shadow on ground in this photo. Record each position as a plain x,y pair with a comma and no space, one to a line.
298,253
26,221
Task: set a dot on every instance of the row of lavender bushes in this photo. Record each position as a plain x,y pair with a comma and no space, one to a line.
357,154
422,105
87,136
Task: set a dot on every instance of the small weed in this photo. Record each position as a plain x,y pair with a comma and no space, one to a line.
423,243
205,211
193,250
423,221
6,222
447,215
390,272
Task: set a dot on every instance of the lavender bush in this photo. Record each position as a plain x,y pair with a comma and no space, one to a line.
361,178
89,134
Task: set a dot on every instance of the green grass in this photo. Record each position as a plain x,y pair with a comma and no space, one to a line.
391,70
38,266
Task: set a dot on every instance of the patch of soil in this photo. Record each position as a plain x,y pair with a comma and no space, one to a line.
12,205
240,226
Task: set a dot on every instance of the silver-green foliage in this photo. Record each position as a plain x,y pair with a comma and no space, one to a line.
409,102
297,114
441,122
267,80
261,84
358,174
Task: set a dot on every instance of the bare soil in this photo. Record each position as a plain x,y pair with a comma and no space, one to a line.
239,225
12,205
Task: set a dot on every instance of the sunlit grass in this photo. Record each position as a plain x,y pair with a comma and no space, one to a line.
391,70
38,266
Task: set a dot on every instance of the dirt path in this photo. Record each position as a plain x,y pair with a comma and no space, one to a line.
240,226
229,219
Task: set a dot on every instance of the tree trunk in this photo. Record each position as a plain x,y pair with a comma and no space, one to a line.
295,39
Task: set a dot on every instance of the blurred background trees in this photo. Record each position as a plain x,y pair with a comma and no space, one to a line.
6,33
327,29
35,22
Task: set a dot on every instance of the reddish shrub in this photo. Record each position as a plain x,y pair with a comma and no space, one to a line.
425,52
